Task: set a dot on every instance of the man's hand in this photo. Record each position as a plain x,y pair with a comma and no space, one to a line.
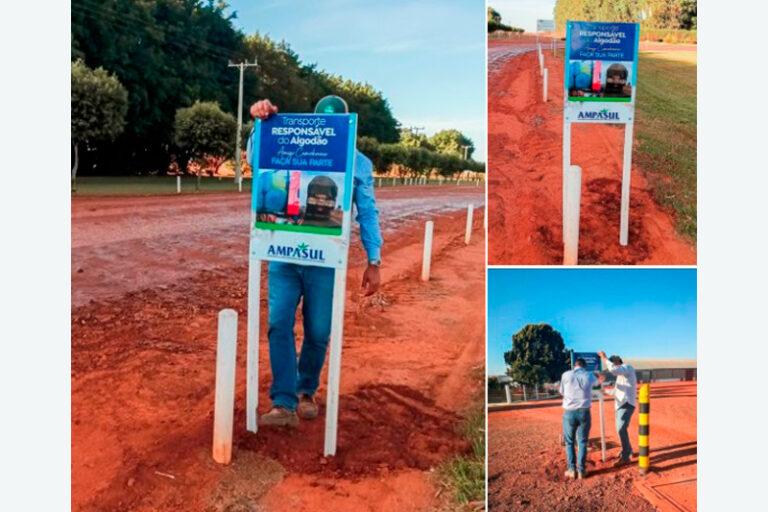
371,280
263,109
602,355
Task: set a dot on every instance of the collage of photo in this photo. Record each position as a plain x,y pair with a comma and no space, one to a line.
384,256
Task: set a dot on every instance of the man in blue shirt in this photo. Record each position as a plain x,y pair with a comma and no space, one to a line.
294,383
576,388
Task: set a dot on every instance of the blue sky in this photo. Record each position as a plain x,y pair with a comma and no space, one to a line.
635,313
427,57
524,13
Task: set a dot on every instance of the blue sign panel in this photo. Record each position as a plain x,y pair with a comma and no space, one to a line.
303,170
601,61
309,142
594,363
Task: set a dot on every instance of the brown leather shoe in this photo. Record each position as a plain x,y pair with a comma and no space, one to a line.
307,408
279,417
621,462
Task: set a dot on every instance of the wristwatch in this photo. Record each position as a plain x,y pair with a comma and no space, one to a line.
375,263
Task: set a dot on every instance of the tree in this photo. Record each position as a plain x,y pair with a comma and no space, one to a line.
494,22
452,142
538,355
204,129
99,105
414,140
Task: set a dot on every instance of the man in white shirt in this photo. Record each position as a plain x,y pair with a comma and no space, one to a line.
625,400
576,388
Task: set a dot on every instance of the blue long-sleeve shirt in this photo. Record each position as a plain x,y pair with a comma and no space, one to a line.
365,204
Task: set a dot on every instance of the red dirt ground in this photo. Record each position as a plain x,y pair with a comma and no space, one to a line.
526,461
149,277
525,180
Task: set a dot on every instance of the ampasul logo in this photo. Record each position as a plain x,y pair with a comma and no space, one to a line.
599,115
299,252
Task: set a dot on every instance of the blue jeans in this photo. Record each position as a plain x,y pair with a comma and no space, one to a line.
623,416
288,283
576,424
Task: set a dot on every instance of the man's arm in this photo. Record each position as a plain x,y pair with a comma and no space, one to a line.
368,218
613,368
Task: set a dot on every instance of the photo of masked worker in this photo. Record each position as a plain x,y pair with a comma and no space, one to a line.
600,79
301,198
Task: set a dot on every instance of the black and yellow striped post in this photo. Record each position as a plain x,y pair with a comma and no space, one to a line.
642,420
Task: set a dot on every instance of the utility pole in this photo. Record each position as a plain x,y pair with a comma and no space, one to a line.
238,164
416,129
466,149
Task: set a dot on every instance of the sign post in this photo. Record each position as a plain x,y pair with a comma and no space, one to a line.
600,87
301,213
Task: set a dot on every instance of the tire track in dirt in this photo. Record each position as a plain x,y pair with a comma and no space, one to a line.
525,180
526,461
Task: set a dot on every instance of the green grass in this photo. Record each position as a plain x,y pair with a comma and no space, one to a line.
159,185
153,185
666,132
464,475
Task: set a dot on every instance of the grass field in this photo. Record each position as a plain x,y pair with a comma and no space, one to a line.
464,475
666,132
152,185
159,185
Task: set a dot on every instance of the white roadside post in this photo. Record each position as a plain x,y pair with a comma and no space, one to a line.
468,233
602,423
178,184
572,208
224,405
426,259
546,79
508,392
525,396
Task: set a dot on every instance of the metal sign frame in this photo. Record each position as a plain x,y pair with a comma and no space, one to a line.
289,237
602,109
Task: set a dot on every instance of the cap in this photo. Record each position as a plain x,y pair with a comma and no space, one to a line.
331,105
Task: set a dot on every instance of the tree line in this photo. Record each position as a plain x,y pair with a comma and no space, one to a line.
137,67
494,22
653,14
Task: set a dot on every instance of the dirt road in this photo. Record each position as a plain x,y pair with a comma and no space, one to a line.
525,177
143,349
526,461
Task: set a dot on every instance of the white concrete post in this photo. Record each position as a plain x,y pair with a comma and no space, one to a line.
525,396
178,184
224,405
426,259
546,79
508,392
468,233
572,209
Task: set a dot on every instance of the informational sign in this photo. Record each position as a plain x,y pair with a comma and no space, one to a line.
303,170
545,25
594,363
600,87
601,61
302,188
